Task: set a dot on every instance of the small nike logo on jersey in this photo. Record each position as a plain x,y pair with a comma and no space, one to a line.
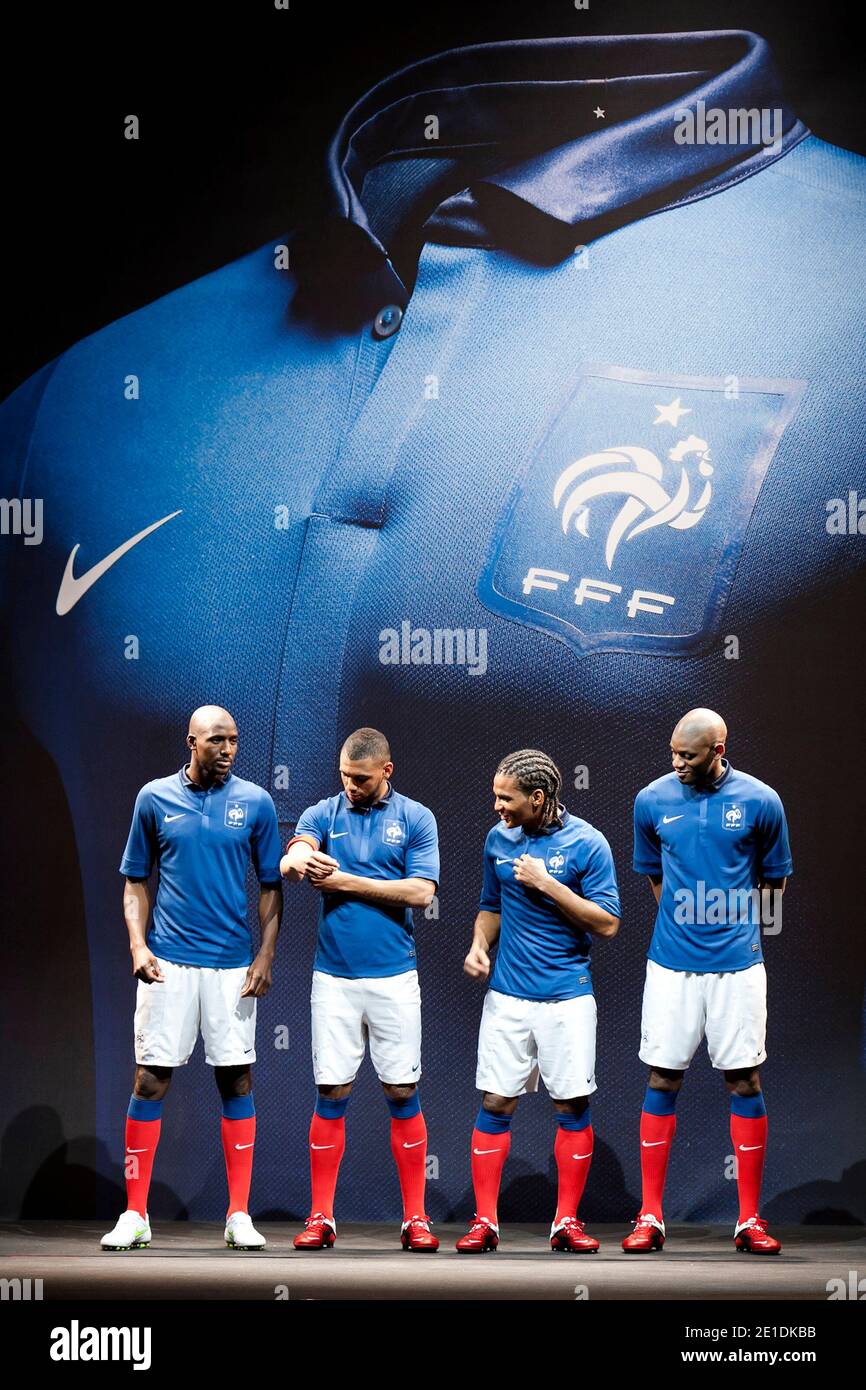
322,1146
645,1143
414,1144
244,1146
485,1151
747,1148
589,1155
666,820
136,1151
505,861
72,589
177,817
337,833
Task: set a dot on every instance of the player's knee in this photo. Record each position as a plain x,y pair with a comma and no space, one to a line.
399,1092
499,1105
233,1081
663,1079
151,1084
743,1083
335,1092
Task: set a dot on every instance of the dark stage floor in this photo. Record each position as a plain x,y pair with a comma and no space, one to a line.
188,1260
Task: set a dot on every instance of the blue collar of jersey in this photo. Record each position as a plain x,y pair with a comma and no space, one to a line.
186,781
522,161
383,801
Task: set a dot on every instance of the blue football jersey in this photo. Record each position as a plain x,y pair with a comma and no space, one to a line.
541,954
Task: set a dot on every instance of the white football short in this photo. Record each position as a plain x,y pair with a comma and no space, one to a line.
520,1038
169,1015
346,1014
681,1007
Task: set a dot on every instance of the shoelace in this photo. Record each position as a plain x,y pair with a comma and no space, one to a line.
478,1225
317,1218
418,1221
571,1223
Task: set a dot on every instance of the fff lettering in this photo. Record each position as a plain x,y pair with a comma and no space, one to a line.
597,591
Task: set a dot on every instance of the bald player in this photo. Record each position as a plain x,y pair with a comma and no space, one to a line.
195,969
714,844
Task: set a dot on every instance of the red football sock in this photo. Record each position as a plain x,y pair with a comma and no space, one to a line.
327,1146
489,1152
142,1137
750,1145
573,1153
656,1136
239,1137
409,1147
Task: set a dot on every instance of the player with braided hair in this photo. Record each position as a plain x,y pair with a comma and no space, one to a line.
549,887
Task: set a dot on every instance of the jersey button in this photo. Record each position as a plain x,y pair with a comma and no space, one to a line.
388,320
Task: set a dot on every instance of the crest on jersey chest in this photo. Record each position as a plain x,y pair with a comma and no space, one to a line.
623,529
236,815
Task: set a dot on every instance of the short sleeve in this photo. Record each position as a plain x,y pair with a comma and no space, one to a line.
141,846
774,860
647,846
314,822
491,892
598,878
265,846
422,851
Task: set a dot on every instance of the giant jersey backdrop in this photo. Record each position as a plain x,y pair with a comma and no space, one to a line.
543,424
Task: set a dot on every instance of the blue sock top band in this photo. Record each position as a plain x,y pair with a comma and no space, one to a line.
660,1102
488,1123
405,1109
331,1109
749,1107
566,1120
239,1107
139,1109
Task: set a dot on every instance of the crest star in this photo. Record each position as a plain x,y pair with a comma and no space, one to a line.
598,112
670,414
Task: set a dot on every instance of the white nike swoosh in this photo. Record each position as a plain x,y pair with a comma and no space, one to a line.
414,1143
337,833
747,1148
136,1151
589,1155
666,820
322,1146
505,861
485,1151
177,817
654,1145
72,589
244,1146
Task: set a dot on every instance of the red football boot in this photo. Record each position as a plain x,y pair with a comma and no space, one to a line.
415,1234
648,1235
319,1233
752,1236
568,1235
481,1237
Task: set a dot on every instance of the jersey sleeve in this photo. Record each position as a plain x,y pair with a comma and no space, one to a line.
774,860
491,893
598,878
314,822
141,850
265,846
647,846
422,851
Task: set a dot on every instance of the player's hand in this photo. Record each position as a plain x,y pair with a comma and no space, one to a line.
292,872
320,866
477,963
258,980
531,872
145,966
334,881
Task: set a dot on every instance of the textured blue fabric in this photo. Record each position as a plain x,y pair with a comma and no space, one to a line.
749,1107
202,842
713,847
330,1109
657,1102
565,1121
488,1123
139,1109
541,954
404,1109
331,484
394,838
239,1107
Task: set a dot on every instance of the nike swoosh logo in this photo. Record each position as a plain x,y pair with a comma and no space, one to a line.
322,1146
747,1148
72,589
337,833
485,1151
666,820
505,861
589,1155
244,1146
177,817
136,1151
414,1143
654,1145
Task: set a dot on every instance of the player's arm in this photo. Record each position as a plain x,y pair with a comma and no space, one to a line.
136,911
393,892
484,937
655,883
294,862
582,912
259,977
